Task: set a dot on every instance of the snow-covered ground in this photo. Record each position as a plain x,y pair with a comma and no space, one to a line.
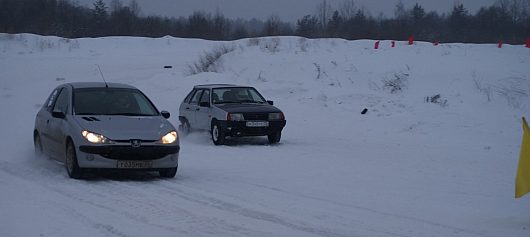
408,167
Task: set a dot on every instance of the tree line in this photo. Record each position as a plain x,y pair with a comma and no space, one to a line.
507,20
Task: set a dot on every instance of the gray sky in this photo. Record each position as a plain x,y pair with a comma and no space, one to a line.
287,10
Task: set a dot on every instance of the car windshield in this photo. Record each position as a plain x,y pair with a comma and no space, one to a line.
112,101
236,95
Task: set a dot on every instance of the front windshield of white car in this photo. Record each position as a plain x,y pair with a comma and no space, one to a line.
236,95
112,101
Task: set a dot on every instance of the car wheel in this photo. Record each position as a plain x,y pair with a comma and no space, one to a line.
274,137
185,127
218,135
168,173
38,145
72,167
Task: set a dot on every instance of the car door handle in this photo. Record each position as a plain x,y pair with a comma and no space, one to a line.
198,109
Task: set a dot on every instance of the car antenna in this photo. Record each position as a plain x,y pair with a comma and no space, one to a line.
103,77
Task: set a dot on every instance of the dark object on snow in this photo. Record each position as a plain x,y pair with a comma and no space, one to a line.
364,111
168,66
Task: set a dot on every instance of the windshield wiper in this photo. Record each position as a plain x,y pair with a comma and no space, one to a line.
87,113
131,114
250,101
227,102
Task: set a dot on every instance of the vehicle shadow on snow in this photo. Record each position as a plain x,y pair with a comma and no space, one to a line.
45,166
204,138
130,176
121,175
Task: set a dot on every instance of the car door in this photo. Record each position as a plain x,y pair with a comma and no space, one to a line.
43,121
193,108
184,107
185,110
58,124
202,114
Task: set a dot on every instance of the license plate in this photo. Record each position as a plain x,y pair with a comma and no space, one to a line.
257,124
133,164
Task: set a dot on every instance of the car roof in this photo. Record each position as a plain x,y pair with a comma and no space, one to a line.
77,85
211,86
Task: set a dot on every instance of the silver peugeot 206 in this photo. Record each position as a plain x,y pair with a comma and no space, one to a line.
105,126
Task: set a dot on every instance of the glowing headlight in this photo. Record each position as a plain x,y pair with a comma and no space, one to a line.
235,117
169,138
94,137
275,116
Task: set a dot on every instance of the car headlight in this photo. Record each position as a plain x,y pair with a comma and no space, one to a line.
276,116
169,138
94,137
235,117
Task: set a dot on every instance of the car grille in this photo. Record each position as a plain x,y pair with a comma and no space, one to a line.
130,153
128,141
256,116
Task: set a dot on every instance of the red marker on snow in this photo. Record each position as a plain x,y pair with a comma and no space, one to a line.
394,43
436,42
528,42
411,39
376,46
500,44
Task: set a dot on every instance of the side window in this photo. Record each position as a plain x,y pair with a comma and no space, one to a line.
217,95
62,102
205,96
196,96
51,100
188,97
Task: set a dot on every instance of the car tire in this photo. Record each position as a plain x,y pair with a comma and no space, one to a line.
38,145
168,172
274,137
185,127
218,134
72,167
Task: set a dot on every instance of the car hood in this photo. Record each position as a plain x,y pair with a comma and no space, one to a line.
248,108
126,127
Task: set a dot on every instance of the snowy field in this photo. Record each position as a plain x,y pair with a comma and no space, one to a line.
416,164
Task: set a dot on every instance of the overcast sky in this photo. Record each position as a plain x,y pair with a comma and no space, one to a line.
287,10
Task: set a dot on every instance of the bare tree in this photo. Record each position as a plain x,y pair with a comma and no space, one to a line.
115,5
348,9
135,8
515,8
400,12
272,26
324,11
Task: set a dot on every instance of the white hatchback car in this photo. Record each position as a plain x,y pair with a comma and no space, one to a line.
105,126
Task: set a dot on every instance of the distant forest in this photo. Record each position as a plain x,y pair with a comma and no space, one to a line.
507,20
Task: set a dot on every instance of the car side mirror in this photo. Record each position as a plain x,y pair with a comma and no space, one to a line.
58,114
270,102
204,104
165,114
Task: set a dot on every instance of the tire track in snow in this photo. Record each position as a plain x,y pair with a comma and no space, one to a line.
111,194
264,216
208,226
371,210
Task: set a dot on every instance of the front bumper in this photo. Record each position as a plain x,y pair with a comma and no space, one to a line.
240,129
108,156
